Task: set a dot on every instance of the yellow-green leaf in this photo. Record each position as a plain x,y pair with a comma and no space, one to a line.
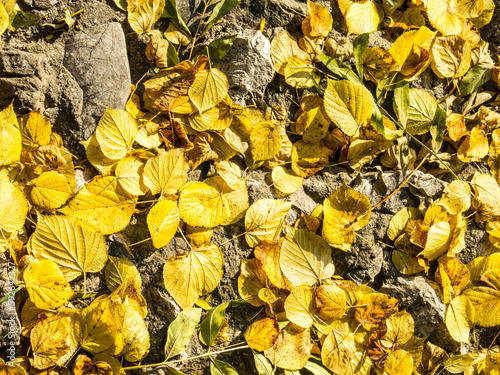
116,132
264,220
166,173
460,318
10,135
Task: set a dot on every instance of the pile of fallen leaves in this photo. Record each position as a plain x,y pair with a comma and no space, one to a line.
55,233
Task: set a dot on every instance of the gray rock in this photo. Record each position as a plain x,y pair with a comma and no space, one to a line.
97,58
248,67
25,77
419,297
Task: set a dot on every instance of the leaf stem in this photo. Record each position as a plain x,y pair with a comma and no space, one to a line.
166,363
198,29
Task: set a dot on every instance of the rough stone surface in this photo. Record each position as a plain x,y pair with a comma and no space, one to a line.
418,296
97,58
25,76
248,67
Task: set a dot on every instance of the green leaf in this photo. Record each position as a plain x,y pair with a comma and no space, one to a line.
220,10
315,365
221,368
360,47
19,19
338,68
475,78
212,323
172,57
180,331
218,48
402,102
121,4
170,11
438,128
262,364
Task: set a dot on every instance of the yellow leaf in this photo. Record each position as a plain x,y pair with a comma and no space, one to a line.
129,172
437,240
4,19
292,348
361,16
346,211
305,258
398,222
460,318
237,197
148,139
112,361
251,280
442,17
55,338
300,306
457,197
455,123
116,132
404,255
211,146
265,141
318,22
264,220
142,14
299,73
85,366
13,206
11,369
163,220
331,302
492,363
373,309
362,151
453,276
208,89
173,35
283,47
400,327
35,130
10,135
486,196
451,56
202,205
95,156
313,125
309,158
262,334
285,181
230,173
76,247
268,252
398,362
474,147
117,271
486,299
166,173
349,105
338,350
190,275
51,190
100,331
168,89
103,204
214,118
378,63
46,285
135,335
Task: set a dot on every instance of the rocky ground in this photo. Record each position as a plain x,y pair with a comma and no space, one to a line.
71,77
